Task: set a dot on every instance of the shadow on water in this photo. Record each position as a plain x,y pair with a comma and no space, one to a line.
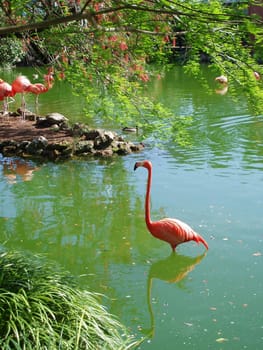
172,269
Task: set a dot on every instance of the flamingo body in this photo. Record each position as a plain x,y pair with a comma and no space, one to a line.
5,89
5,92
36,88
172,231
20,84
39,88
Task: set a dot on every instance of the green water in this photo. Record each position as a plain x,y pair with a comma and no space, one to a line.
89,217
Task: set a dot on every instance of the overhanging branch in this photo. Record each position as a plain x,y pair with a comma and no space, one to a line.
91,17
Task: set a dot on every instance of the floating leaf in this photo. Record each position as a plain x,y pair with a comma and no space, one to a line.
257,254
221,340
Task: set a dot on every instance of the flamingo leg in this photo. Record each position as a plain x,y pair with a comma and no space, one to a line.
23,107
5,107
36,106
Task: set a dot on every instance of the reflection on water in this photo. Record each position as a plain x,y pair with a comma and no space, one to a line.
17,169
173,269
222,91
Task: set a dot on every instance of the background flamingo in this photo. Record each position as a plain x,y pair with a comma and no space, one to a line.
20,85
39,88
172,231
222,79
5,92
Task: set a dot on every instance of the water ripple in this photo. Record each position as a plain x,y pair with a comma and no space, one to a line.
234,142
234,121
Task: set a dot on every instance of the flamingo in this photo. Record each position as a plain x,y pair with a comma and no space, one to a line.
257,75
20,85
39,88
5,92
222,79
172,231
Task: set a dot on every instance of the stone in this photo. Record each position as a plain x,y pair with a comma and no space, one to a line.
92,134
79,129
56,118
51,120
37,146
45,139
85,146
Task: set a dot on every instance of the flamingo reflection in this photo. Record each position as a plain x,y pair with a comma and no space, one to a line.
222,91
173,269
15,169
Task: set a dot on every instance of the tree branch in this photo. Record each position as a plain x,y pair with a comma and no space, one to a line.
91,16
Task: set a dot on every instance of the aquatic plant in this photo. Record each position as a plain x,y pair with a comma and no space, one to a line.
42,308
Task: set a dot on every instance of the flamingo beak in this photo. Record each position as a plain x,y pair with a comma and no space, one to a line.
135,166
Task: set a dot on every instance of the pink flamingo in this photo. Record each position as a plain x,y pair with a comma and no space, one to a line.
5,92
20,85
39,88
172,231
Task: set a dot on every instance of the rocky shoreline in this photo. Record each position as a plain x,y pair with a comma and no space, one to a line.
53,138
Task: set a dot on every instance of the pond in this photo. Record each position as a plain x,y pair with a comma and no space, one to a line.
88,216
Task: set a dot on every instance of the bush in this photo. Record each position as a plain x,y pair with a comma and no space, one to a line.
41,308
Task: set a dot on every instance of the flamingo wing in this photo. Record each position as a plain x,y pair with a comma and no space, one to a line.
175,232
20,84
36,88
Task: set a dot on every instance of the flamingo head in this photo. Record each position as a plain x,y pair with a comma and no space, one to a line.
222,79
145,163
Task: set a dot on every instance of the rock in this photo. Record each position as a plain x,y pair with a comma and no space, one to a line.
56,118
51,120
55,127
37,146
103,140
85,146
92,134
108,152
8,148
55,144
79,129
42,122
60,150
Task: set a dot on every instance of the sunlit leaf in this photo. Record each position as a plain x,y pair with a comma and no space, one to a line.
221,340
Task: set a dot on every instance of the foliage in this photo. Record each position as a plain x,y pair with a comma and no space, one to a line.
11,51
41,308
103,48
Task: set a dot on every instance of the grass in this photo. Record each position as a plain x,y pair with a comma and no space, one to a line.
41,308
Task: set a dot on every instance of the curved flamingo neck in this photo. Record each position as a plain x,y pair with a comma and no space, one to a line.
147,197
48,81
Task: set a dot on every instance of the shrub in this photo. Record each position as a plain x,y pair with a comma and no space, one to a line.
41,308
